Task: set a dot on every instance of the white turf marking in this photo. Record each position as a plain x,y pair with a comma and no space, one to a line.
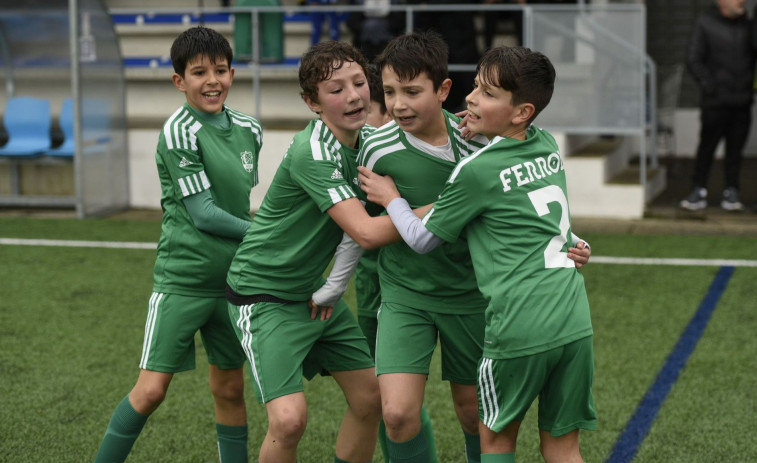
79,244
593,259
672,261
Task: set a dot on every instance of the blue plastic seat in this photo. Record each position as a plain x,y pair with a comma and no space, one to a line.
66,122
27,122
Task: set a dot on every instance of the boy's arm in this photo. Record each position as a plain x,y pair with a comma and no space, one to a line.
212,219
347,255
369,232
411,227
382,190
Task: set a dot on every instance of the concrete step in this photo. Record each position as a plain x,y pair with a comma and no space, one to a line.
602,183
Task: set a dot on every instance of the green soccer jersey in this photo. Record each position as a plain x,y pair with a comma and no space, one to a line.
292,239
511,200
443,280
193,157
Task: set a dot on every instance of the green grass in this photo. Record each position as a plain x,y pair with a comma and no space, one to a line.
72,321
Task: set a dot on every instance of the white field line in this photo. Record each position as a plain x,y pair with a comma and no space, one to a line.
79,244
673,261
594,259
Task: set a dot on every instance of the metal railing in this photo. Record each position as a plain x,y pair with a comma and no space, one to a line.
606,85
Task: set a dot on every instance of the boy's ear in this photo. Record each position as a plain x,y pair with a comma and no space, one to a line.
178,82
444,88
523,113
312,105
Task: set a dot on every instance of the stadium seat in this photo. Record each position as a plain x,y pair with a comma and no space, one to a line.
66,122
27,121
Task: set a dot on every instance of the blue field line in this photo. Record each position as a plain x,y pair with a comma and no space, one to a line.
638,426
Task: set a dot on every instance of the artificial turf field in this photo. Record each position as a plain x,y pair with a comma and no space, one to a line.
675,351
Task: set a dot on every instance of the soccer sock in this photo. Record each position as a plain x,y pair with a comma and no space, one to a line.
498,457
339,460
472,448
428,431
232,443
412,451
123,430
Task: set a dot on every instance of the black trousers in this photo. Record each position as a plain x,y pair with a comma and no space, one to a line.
731,124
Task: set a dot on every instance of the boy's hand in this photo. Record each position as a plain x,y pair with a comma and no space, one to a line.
380,189
325,311
466,133
580,254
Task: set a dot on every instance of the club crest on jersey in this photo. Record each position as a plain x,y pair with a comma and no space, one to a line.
247,160
185,162
336,174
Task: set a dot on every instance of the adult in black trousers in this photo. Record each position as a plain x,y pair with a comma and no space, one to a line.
721,57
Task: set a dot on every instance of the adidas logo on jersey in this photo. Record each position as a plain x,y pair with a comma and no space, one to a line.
337,174
185,162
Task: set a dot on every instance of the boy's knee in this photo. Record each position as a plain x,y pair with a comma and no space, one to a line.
231,389
369,406
398,417
146,398
288,425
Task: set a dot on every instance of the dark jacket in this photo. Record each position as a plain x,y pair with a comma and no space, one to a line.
721,58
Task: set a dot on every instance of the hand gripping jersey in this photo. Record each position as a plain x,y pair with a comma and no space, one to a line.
443,280
193,157
292,239
511,200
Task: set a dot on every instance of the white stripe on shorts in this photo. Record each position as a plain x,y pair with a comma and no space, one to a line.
489,402
152,315
243,323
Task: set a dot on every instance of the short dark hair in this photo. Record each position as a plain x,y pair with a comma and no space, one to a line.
199,41
320,62
376,86
411,54
528,75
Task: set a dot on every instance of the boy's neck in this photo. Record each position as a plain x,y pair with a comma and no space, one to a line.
436,132
516,132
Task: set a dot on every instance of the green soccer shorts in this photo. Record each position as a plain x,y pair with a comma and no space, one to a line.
173,320
562,378
283,344
407,337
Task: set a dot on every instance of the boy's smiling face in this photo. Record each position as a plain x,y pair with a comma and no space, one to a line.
415,105
491,111
206,84
343,100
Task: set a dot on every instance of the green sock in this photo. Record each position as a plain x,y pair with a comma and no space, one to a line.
123,430
339,460
232,443
472,448
413,451
498,457
428,431
382,440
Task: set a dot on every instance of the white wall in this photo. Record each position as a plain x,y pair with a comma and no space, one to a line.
144,185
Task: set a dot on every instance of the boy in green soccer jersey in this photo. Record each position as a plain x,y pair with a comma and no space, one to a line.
510,202
311,202
431,296
367,286
207,158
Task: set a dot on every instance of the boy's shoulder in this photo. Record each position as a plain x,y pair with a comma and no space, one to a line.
384,140
379,135
243,119
177,126
315,140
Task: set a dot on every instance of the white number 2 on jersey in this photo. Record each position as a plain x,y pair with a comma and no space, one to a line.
553,256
